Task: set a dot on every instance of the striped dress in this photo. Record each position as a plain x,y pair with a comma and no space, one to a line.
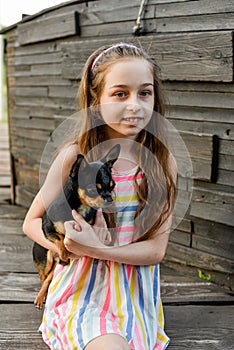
91,297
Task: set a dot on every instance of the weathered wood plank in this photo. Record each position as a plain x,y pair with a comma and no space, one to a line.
102,12
188,326
21,340
194,292
14,226
201,99
38,58
47,28
24,196
190,8
19,324
5,195
11,212
181,237
213,237
5,181
196,258
223,130
194,56
212,204
226,178
19,287
19,248
199,148
200,327
42,81
195,23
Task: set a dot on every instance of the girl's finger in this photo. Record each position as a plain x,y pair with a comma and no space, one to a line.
77,216
100,221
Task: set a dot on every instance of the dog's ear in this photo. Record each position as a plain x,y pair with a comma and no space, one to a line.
111,157
80,162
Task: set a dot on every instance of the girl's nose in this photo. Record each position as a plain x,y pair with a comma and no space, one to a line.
133,107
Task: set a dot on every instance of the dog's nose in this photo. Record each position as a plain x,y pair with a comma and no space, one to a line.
108,199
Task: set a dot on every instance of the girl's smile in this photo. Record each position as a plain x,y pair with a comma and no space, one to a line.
127,98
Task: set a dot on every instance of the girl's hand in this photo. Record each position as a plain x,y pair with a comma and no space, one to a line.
101,228
81,237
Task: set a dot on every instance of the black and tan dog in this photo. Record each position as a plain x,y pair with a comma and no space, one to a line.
87,188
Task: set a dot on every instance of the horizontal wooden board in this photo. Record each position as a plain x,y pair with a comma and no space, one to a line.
194,23
5,195
11,212
221,129
198,259
188,326
194,56
14,226
225,178
180,237
190,8
197,147
201,99
19,287
19,248
212,204
200,327
19,325
41,29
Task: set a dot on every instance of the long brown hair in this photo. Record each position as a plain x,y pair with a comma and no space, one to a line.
157,190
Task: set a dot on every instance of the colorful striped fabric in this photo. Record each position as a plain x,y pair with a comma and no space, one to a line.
91,297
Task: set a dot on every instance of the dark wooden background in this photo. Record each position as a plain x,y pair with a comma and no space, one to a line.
193,43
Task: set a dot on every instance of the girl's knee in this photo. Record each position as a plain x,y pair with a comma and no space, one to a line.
107,342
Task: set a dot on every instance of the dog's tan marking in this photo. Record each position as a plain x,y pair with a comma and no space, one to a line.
59,227
88,201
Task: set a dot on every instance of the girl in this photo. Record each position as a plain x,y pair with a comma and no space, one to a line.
108,297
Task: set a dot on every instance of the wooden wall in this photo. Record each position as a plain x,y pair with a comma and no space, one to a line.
193,43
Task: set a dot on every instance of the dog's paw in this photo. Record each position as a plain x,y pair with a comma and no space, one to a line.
38,302
64,256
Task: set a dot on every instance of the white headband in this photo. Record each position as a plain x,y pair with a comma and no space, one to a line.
109,49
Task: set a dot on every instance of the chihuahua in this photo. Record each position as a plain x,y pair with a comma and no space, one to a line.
88,188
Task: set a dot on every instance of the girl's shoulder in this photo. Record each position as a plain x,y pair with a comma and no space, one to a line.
63,162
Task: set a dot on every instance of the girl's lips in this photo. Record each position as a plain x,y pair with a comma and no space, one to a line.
132,120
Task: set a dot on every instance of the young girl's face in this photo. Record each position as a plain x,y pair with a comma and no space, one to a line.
127,99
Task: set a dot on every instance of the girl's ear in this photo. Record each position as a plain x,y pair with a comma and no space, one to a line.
80,161
111,157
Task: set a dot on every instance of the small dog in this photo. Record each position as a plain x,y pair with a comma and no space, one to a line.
87,188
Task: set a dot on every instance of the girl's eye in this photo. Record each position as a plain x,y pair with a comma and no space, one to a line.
146,93
120,94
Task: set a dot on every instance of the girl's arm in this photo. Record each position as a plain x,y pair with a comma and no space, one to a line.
53,184
81,240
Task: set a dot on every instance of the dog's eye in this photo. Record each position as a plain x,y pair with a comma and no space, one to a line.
112,184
